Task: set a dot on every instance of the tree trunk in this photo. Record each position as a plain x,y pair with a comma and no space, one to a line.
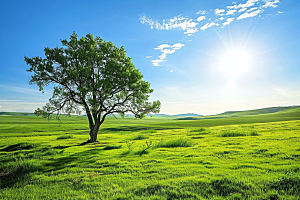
94,133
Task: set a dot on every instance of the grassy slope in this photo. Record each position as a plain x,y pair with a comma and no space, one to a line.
15,114
261,111
253,116
41,166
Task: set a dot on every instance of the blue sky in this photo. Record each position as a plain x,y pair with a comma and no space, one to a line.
200,56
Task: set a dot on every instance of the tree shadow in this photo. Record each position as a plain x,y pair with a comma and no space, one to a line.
19,146
136,128
72,160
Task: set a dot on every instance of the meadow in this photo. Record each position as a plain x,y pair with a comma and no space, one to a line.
244,155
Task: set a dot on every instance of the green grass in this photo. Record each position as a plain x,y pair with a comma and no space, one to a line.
109,147
180,142
141,137
230,133
247,157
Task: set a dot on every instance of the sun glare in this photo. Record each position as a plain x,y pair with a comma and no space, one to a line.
235,63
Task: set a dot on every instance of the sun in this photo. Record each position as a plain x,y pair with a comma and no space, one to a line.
235,63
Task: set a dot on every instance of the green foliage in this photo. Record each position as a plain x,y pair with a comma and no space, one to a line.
64,137
92,75
180,142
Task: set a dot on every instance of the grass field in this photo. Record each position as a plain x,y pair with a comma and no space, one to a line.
254,155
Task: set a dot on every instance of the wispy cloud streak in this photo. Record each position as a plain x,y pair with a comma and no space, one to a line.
178,22
165,49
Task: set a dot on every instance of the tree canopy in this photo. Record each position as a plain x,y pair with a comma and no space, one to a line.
94,75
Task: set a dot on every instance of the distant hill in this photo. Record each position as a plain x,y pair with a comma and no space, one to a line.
165,115
193,116
16,114
260,111
187,115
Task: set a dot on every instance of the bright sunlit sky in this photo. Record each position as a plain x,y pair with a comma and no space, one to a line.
200,56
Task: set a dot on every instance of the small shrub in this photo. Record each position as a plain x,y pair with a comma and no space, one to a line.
141,137
109,147
230,133
62,137
181,142
253,133
145,148
149,131
198,130
129,146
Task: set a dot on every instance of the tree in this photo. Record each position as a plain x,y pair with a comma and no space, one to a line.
94,75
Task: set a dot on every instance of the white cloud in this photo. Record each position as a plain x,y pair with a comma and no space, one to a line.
248,4
191,31
204,27
169,70
0,106
242,9
177,46
219,11
153,24
246,14
227,22
178,22
271,4
230,12
201,12
200,18
148,56
207,25
157,62
165,49
255,8
221,18
162,46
